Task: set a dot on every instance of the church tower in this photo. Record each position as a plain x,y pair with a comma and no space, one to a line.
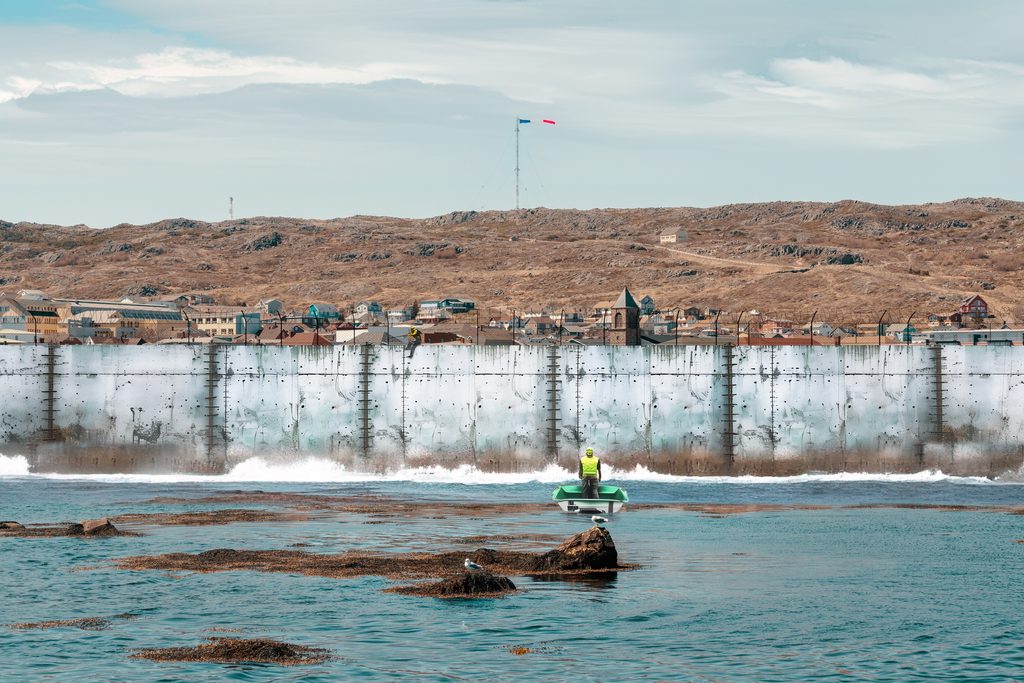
625,322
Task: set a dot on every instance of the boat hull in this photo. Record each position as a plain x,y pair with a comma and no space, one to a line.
590,506
609,499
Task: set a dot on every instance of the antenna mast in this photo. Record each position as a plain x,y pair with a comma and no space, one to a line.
231,208
517,162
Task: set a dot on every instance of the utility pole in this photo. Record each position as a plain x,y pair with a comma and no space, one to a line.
231,208
517,163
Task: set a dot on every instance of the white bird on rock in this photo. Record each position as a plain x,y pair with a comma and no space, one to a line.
598,520
471,565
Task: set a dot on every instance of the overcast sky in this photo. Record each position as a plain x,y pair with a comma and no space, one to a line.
136,110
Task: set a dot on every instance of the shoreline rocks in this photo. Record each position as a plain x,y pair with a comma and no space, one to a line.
86,528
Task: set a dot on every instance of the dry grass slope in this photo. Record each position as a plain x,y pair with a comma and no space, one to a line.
848,260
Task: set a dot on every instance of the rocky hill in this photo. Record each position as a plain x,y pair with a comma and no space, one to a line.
848,260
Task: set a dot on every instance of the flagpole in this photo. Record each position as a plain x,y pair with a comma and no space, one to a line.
517,162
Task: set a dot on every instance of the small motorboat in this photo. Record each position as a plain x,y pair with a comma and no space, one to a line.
609,499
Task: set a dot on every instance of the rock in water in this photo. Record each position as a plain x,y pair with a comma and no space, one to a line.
237,650
12,526
99,527
590,549
469,585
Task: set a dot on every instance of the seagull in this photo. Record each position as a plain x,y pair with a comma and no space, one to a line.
598,520
471,565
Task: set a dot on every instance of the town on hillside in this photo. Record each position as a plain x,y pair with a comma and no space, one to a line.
32,317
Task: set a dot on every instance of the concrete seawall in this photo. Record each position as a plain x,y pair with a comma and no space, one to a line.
681,410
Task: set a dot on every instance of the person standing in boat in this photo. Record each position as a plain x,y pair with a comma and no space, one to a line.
590,474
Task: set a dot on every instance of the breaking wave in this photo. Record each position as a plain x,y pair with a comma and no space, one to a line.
15,465
322,470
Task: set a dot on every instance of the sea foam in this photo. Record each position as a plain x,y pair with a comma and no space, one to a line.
324,470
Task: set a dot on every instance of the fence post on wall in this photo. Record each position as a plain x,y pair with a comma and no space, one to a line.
212,379
577,434
938,396
365,424
50,393
551,379
403,433
729,420
771,386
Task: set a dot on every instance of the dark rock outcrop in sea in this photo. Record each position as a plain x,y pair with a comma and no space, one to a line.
237,651
590,549
479,584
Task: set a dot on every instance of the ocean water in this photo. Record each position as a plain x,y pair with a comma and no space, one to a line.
844,594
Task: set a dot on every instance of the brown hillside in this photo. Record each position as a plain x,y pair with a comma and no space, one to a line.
848,260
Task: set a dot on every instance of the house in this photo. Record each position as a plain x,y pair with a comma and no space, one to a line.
12,315
871,329
270,307
369,307
321,315
224,321
974,307
451,305
272,334
399,315
901,332
541,326
774,327
43,315
820,329
307,339
188,299
672,237
377,337
647,305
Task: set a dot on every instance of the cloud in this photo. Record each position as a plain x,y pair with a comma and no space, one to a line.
840,74
177,71
845,102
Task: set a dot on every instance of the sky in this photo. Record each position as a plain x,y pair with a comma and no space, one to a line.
136,110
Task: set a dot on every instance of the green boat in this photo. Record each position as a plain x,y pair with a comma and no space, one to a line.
609,499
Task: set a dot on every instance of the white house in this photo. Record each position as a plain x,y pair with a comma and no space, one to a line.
678,235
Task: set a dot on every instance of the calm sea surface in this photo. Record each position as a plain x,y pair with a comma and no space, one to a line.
800,595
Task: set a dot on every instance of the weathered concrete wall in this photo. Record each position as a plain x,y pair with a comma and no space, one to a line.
795,408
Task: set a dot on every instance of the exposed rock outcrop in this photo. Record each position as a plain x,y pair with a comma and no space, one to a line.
90,527
590,549
480,584
238,650
99,527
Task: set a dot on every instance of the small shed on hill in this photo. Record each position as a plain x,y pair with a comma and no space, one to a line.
673,236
